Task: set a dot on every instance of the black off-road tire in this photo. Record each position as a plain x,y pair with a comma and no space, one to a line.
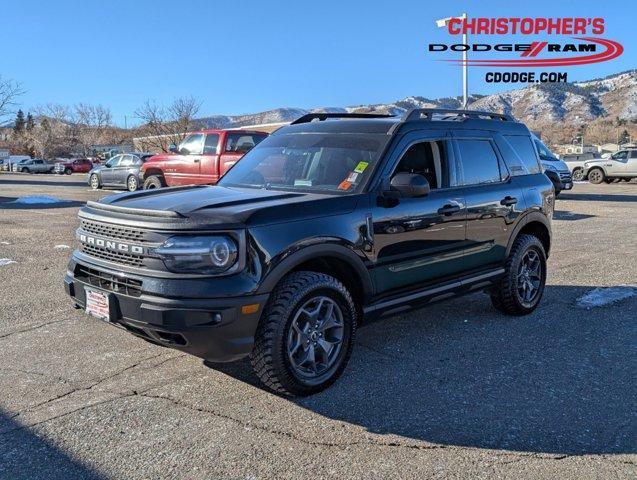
596,176
154,181
269,356
505,296
68,171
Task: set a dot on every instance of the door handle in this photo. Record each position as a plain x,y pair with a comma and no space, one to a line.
449,209
508,201
196,160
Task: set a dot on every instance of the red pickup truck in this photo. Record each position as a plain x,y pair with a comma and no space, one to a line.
202,157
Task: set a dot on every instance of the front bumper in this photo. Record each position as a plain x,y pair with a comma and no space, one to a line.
561,180
215,329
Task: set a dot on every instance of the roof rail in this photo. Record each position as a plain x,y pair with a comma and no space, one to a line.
308,117
428,113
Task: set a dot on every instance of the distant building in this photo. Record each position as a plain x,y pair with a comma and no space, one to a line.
575,149
4,153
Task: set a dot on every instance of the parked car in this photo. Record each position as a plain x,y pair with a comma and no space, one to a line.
74,165
11,160
320,227
620,165
36,165
554,168
575,163
120,171
202,158
17,166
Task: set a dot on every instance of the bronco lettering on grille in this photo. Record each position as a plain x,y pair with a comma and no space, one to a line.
111,244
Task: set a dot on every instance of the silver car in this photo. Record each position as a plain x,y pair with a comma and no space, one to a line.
621,165
37,165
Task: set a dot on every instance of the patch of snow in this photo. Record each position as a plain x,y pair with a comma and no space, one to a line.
38,199
602,296
61,247
5,243
6,261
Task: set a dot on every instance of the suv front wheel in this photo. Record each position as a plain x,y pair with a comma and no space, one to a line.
521,288
306,334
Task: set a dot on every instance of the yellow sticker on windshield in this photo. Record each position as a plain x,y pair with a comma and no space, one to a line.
360,168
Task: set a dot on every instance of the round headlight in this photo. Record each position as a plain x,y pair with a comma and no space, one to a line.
214,254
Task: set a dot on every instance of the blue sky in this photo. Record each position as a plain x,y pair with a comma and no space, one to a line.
246,56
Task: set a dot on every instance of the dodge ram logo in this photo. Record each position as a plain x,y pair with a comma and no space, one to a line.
111,244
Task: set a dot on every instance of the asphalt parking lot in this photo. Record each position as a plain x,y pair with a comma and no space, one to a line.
454,390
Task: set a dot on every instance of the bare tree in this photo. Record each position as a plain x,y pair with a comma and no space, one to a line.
52,132
9,92
162,126
90,124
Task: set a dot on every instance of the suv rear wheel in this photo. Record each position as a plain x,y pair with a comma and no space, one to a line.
154,181
522,285
68,171
306,334
596,176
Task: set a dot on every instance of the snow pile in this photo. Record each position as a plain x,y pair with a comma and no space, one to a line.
61,247
5,243
5,261
38,199
602,296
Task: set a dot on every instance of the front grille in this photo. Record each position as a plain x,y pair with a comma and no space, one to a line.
565,176
106,281
112,256
112,231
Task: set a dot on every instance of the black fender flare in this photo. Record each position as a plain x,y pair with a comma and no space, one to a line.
523,222
311,252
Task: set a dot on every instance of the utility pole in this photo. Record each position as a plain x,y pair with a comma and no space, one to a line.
465,73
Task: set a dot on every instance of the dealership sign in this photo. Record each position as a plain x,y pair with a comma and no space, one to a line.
579,48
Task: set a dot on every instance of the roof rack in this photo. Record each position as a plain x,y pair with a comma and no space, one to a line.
309,117
428,113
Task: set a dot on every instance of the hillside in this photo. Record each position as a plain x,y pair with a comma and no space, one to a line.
573,104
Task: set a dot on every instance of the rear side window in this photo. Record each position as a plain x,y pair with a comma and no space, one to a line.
525,161
242,142
479,162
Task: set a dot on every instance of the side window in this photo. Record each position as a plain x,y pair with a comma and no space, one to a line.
524,160
127,161
242,142
633,154
210,147
114,162
192,145
429,159
479,162
620,155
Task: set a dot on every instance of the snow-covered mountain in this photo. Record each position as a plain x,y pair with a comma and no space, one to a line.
572,103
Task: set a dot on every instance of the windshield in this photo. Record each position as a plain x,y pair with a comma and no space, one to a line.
312,162
544,152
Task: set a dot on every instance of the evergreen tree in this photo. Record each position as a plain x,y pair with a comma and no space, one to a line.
18,126
624,137
30,123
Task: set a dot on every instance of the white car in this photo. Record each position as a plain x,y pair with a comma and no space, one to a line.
620,165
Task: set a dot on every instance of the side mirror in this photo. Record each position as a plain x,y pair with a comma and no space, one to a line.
410,185
172,148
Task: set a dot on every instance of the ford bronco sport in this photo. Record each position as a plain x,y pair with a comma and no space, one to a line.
330,221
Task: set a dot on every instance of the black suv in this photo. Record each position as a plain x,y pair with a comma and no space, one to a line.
332,220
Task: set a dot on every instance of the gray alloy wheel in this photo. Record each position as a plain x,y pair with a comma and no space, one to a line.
578,174
132,183
95,181
596,176
529,279
315,337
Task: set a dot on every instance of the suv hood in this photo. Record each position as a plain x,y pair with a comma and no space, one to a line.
226,205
